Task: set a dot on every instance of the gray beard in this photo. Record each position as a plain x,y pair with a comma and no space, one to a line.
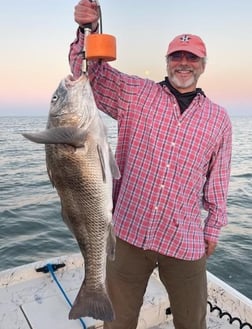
178,84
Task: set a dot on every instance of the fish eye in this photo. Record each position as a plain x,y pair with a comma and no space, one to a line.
54,98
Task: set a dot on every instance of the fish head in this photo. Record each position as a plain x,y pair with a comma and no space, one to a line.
72,104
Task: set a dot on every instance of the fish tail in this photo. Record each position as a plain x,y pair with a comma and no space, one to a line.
95,304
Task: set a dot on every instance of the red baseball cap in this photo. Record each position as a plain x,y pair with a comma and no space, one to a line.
187,42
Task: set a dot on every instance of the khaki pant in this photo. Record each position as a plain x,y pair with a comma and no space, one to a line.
127,279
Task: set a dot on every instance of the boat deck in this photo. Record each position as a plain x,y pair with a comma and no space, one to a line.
32,300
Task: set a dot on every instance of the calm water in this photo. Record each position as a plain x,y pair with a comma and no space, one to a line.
31,227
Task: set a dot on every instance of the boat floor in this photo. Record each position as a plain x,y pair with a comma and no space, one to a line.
32,300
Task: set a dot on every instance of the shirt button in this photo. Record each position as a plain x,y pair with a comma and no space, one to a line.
168,165
156,208
172,144
162,186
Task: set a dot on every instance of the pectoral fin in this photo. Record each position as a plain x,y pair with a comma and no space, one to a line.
61,135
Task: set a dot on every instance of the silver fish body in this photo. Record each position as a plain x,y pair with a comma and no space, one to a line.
81,166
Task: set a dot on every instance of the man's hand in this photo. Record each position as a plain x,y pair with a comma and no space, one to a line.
210,247
86,12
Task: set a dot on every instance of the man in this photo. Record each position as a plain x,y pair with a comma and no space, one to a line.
173,151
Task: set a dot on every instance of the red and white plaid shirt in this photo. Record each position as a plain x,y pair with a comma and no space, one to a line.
171,164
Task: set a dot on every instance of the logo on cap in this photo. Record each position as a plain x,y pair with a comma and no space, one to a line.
185,38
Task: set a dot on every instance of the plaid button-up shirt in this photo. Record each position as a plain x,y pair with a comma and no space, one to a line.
172,165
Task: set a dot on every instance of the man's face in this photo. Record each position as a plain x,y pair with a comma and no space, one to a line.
184,70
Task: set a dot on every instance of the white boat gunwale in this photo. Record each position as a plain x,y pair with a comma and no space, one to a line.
24,291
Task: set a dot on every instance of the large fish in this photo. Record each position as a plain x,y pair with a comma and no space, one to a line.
81,166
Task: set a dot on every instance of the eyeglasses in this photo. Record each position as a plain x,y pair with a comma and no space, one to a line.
177,56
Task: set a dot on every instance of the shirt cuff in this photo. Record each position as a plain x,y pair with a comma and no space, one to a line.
211,233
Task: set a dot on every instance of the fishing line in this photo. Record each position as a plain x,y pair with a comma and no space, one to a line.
51,269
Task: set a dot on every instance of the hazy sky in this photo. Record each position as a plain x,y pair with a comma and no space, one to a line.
35,38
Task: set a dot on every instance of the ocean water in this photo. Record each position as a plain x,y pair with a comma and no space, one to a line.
31,227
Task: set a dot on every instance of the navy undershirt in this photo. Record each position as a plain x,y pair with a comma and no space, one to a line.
183,99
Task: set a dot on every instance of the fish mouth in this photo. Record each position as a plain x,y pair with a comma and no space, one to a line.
70,81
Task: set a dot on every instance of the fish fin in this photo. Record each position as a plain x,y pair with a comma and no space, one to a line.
102,161
111,242
61,135
95,304
113,165
49,172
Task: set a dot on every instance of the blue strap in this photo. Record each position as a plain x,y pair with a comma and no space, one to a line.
50,269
